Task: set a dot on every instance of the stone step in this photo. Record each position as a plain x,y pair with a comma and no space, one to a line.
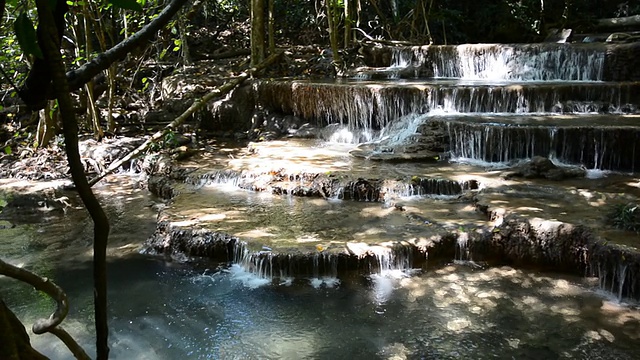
374,105
542,61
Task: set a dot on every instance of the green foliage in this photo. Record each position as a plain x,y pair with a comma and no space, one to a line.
625,217
170,140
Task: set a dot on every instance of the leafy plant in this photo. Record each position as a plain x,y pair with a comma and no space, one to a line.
625,217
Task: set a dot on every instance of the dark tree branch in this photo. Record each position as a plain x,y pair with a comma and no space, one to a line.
2,5
51,50
36,89
51,323
15,340
86,72
37,85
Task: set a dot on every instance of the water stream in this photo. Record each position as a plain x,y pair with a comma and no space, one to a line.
162,310
499,105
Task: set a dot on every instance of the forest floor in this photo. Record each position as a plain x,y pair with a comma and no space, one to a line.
139,112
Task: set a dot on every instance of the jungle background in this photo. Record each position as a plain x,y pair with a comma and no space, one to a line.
96,68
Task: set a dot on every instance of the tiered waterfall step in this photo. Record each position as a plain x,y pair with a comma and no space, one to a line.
373,105
603,142
542,61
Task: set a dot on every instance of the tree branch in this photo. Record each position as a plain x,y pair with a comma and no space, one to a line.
197,104
86,72
51,323
51,49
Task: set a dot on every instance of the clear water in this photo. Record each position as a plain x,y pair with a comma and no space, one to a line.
164,310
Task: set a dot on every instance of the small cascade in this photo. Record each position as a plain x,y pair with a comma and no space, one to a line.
361,190
224,177
391,260
436,186
429,187
390,265
595,147
463,253
253,269
616,280
325,270
363,110
265,267
521,62
398,132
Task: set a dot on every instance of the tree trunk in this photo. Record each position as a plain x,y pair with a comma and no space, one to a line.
15,340
216,93
272,32
333,36
257,32
347,24
50,45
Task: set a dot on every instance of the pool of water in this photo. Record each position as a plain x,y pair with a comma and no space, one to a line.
166,311
161,310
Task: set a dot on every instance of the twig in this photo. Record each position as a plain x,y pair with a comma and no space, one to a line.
197,104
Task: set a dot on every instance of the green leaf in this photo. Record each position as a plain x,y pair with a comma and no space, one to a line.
26,35
7,150
127,4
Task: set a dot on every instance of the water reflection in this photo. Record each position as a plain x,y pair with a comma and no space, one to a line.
164,311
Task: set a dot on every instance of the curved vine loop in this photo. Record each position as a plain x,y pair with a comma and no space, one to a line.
51,323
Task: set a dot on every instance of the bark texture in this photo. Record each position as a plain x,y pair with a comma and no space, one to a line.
51,49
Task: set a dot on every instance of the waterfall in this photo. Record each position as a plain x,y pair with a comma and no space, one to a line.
600,148
325,270
521,62
254,269
357,112
225,177
614,281
391,264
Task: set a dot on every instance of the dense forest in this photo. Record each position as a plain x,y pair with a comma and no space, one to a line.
96,68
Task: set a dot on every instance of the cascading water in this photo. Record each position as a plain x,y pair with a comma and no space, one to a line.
392,264
329,264
537,62
604,147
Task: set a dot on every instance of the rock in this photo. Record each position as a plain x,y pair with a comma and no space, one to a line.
621,38
542,168
558,35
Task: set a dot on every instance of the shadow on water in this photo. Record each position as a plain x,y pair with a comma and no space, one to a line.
164,310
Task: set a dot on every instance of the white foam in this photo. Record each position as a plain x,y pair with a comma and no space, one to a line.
249,280
597,174
327,281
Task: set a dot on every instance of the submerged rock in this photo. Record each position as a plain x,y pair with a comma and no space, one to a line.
543,168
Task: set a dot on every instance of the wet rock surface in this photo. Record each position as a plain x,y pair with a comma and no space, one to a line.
543,168
513,224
